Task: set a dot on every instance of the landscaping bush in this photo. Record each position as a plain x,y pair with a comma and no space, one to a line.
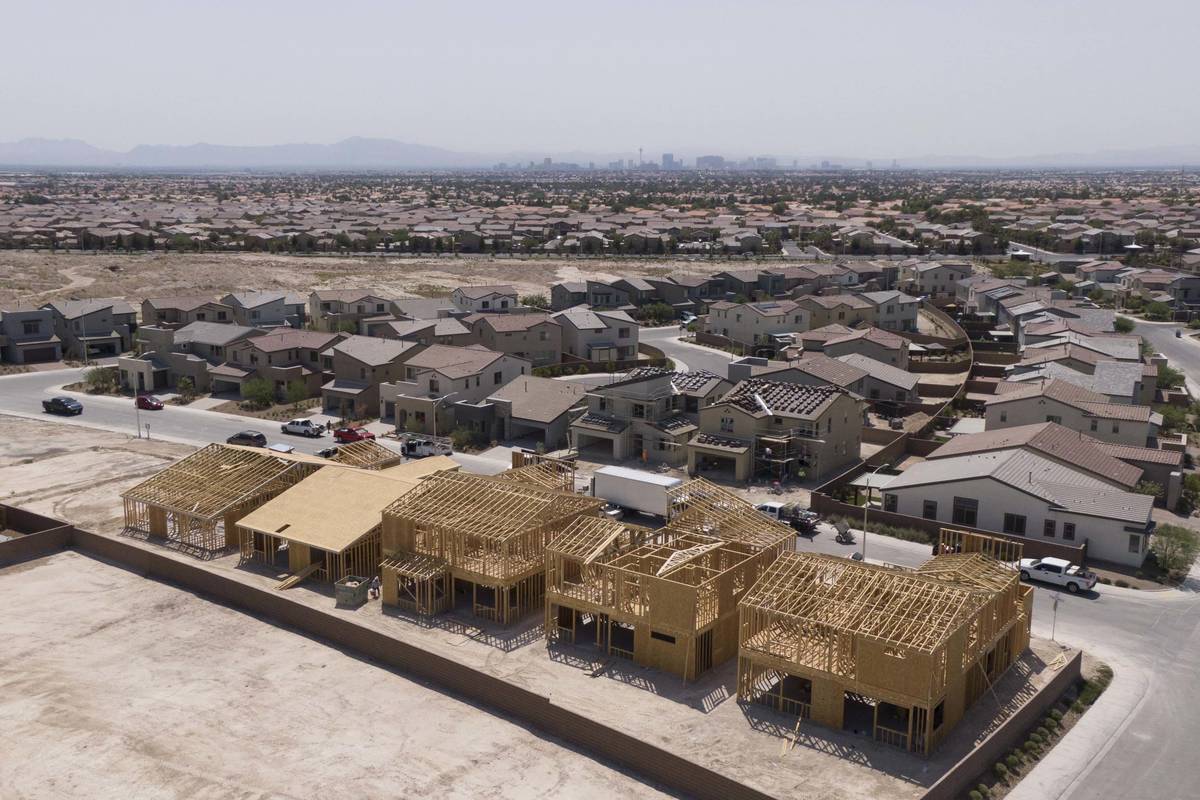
296,393
904,534
1169,377
100,380
1175,548
186,389
1123,325
1122,583
1013,762
1158,311
983,790
1001,770
258,393
974,795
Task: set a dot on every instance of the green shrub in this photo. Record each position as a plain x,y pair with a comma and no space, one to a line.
983,790
1175,548
1123,325
974,795
100,380
1195,324
1036,738
1013,762
1043,732
1000,770
1056,715
258,392
1122,583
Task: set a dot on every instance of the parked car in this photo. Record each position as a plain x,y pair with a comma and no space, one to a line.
328,452
344,435
612,511
1058,571
420,448
248,438
148,402
303,427
67,406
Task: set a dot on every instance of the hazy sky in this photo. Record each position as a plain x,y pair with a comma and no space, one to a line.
886,78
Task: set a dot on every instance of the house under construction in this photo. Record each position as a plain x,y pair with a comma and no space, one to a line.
366,454
197,502
476,542
898,653
665,599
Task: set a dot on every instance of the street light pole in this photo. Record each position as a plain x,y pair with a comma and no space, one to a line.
866,507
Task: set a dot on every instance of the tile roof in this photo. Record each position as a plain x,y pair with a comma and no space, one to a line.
502,323
540,399
762,397
454,362
289,338
881,371
479,292
373,350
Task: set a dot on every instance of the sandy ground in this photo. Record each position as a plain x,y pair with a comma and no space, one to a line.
701,720
121,687
30,277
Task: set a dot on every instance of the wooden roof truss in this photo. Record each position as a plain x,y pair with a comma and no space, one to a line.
703,508
555,474
366,454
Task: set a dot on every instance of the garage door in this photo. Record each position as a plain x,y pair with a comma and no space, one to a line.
38,354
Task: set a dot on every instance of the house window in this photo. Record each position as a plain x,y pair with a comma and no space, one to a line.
622,333
1116,427
1095,424
433,385
1014,524
379,307
253,315
485,304
543,335
662,637
1004,416
1048,528
966,511
889,503
476,381
222,316
1069,531
929,509
31,326
362,373
497,377
1057,420
1135,543
200,316
639,411
504,304
727,424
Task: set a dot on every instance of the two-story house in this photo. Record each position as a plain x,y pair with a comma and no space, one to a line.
435,381
841,309
359,365
282,356
166,355
648,415
484,299
93,328
778,430
266,309
175,312
763,327
446,330
937,280
894,311
599,337
345,309
537,338
27,336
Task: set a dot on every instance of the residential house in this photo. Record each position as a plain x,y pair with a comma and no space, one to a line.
457,379
894,311
537,338
282,356
484,299
875,343
1024,493
175,312
639,291
27,336
166,355
93,328
266,309
937,280
842,309
359,365
1077,408
648,415
598,337
447,330
346,309
778,430
763,327
542,408
568,294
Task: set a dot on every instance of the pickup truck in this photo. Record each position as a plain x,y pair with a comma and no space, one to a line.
420,448
68,406
303,427
1058,571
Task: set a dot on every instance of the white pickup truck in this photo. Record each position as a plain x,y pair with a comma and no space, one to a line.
1058,571
302,427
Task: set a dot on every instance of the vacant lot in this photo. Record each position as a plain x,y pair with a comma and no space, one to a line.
112,686
29,276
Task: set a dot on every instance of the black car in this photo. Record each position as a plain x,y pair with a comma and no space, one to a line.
248,438
68,406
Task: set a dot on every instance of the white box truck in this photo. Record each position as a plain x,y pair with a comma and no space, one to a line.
634,489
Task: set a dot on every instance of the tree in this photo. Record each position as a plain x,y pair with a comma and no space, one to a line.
1175,548
1169,377
1158,311
296,393
536,300
1151,488
258,392
1123,325
100,380
186,389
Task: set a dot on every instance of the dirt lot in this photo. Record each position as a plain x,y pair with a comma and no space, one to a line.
121,687
40,276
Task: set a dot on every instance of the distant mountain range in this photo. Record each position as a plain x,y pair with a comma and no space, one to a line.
365,153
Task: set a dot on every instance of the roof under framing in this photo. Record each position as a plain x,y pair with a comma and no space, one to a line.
366,454
488,507
973,570
690,559
701,507
548,474
589,538
899,607
216,478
